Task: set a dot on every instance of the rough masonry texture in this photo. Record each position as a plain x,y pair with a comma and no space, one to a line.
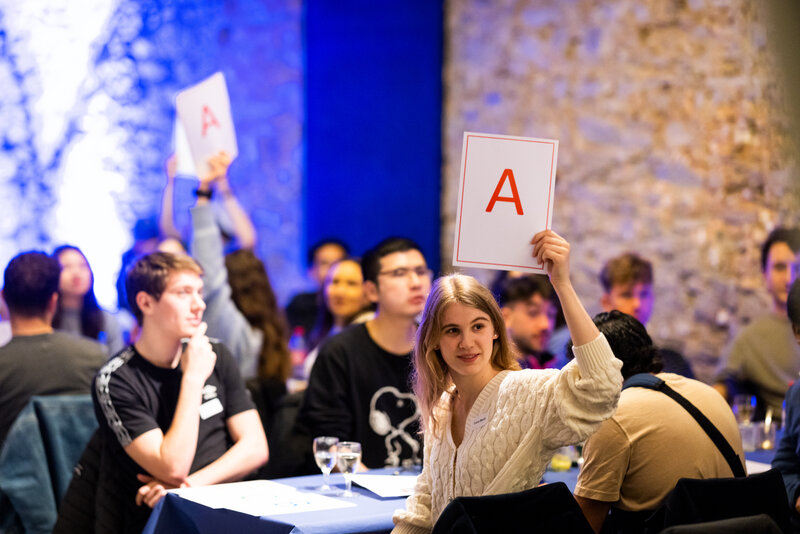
673,142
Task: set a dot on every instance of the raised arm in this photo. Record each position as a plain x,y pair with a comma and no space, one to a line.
166,219
225,320
553,250
218,179
242,225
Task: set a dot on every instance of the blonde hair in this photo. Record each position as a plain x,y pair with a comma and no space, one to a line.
431,377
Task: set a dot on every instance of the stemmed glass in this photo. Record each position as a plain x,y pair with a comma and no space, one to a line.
743,408
325,456
349,453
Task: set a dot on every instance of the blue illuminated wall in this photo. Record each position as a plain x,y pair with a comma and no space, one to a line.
87,110
373,136
86,115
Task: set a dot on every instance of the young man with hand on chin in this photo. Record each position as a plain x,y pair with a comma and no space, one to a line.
173,409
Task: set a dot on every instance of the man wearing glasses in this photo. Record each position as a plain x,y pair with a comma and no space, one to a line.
359,387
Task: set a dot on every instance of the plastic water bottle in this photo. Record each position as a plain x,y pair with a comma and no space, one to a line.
298,351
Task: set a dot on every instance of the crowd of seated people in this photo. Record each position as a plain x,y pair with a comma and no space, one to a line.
187,391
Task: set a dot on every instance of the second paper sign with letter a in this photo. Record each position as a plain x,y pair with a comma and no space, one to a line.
506,191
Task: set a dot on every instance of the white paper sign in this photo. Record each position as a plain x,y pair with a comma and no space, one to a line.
387,485
183,154
204,110
261,498
505,196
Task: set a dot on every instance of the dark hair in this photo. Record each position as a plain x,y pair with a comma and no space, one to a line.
371,261
324,321
150,274
92,322
793,305
625,269
252,293
312,252
30,280
790,236
523,288
630,343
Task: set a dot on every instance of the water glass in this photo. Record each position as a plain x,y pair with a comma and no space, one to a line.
349,458
325,448
750,434
744,406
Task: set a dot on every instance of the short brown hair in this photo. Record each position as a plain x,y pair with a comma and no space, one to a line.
626,269
150,274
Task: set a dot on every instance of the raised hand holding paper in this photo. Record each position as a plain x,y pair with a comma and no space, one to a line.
204,110
505,195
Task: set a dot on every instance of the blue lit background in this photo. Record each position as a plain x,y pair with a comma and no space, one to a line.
87,112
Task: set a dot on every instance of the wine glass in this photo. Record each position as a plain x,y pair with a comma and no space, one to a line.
325,456
743,408
349,453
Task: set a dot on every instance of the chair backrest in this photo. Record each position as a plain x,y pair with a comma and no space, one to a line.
39,453
752,524
288,443
544,509
713,499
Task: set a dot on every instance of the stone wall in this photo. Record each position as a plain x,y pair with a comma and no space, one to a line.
673,142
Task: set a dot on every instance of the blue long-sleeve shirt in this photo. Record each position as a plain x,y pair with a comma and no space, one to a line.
787,457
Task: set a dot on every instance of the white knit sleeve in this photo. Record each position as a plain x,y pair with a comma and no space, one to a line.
416,518
586,394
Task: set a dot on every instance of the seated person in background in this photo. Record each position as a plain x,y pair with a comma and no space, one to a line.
302,309
491,428
38,361
787,457
529,306
78,312
343,303
359,388
635,459
627,282
764,357
172,408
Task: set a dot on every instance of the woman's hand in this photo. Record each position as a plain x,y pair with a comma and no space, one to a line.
552,250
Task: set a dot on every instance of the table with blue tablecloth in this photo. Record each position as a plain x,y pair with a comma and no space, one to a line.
371,513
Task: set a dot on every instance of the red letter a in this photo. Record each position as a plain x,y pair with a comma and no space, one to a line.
496,196
210,120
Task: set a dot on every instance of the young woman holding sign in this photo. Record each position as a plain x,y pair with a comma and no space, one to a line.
489,427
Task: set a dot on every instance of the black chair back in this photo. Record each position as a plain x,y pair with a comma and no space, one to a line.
546,509
713,499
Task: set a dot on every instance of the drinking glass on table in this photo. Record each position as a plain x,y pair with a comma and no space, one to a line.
325,455
349,458
744,406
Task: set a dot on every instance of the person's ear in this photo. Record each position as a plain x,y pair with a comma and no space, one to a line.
371,290
505,311
145,302
52,306
605,302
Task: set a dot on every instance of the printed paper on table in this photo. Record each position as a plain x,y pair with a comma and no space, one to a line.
505,196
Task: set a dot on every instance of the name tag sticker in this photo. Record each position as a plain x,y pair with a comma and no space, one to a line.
210,408
480,422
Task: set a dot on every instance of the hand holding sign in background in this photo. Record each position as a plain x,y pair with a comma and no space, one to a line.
204,110
506,191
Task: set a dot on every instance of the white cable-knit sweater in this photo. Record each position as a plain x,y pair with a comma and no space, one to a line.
512,431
